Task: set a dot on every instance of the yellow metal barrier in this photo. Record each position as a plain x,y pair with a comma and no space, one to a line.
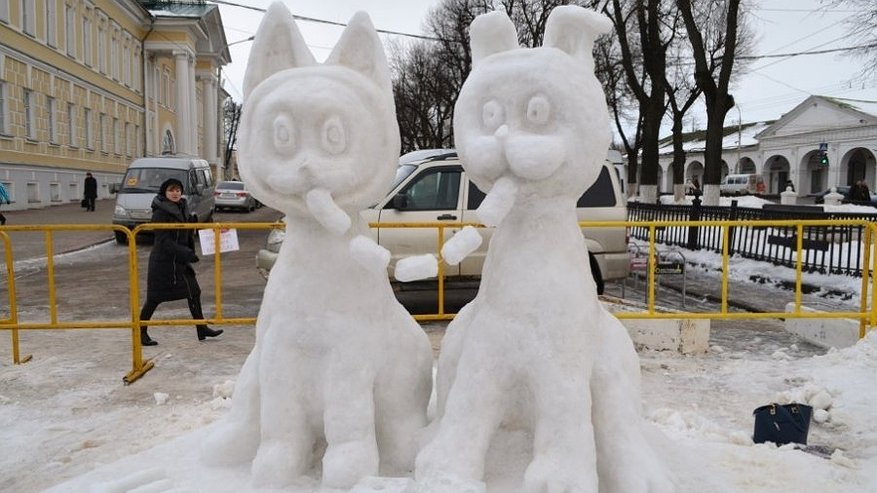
866,316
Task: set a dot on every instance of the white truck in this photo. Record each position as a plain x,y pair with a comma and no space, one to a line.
436,189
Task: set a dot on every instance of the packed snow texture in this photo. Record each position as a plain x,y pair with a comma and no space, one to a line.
535,348
337,384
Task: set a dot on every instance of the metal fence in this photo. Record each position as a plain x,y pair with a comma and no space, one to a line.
832,245
655,230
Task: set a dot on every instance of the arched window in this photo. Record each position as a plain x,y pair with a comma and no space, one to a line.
167,144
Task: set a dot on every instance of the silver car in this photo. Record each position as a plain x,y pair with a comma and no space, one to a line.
233,195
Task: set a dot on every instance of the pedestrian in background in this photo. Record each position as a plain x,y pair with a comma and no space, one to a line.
90,192
790,185
4,198
171,276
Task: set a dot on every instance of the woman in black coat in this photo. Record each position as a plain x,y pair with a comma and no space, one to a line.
171,276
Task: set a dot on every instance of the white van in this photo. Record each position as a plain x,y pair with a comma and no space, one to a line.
742,184
143,180
437,189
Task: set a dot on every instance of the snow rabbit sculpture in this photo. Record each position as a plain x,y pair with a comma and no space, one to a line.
340,371
535,350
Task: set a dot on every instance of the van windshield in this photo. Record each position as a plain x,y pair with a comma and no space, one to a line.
139,180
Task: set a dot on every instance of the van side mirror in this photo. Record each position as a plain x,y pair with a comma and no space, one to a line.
115,187
199,189
400,201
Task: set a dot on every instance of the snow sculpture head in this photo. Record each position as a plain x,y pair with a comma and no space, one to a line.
535,116
302,127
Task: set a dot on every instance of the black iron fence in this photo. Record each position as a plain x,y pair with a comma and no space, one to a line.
834,249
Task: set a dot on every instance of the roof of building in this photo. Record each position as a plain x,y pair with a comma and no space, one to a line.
191,9
735,136
869,107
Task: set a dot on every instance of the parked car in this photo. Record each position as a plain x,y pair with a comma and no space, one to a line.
437,189
234,195
742,184
142,182
845,191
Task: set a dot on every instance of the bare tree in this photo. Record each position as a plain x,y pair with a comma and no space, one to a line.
623,105
231,117
721,21
861,31
644,23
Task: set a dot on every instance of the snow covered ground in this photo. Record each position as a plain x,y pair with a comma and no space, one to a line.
68,421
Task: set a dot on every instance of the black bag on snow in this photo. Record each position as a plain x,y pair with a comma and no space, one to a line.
782,423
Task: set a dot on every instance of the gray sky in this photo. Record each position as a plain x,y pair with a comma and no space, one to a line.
770,88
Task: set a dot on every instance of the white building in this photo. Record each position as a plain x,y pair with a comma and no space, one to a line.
790,148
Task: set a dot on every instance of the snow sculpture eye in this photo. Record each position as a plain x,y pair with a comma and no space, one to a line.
334,137
492,115
538,110
283,133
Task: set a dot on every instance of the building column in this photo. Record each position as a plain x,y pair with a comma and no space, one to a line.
184,123
210,119
193,110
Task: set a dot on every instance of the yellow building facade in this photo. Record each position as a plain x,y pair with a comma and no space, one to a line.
91,85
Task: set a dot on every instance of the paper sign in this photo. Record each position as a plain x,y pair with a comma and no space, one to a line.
228,241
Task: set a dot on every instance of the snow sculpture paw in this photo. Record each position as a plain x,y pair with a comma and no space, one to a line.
337,359
369,254
416,268
461,245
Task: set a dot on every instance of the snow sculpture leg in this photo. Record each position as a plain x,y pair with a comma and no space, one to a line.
337,359
535,350
621,444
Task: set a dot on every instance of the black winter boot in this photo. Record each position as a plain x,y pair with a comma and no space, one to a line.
204,332
145,340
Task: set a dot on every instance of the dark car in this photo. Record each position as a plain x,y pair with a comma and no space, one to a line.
845,191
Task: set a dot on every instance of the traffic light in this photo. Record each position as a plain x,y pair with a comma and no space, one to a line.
823,158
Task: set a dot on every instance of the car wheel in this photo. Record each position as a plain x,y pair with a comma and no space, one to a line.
121,238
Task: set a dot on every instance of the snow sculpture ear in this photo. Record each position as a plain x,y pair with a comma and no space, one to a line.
491,33
278,45
573,30
360,49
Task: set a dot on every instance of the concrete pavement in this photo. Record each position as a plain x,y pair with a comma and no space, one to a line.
28,244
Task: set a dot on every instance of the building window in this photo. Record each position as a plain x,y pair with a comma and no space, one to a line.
86,41
89,135
4,11
29,130
114,57
137,143
55,192
129,139
116,144
126,64
28,18
71,124
33,193
165,88
102,50
51,22
70,27
3,106
102,137
53,130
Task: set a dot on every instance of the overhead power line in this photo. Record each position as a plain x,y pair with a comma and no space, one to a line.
812,52
323,21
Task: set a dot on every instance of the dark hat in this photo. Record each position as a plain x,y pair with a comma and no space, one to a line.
167,184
